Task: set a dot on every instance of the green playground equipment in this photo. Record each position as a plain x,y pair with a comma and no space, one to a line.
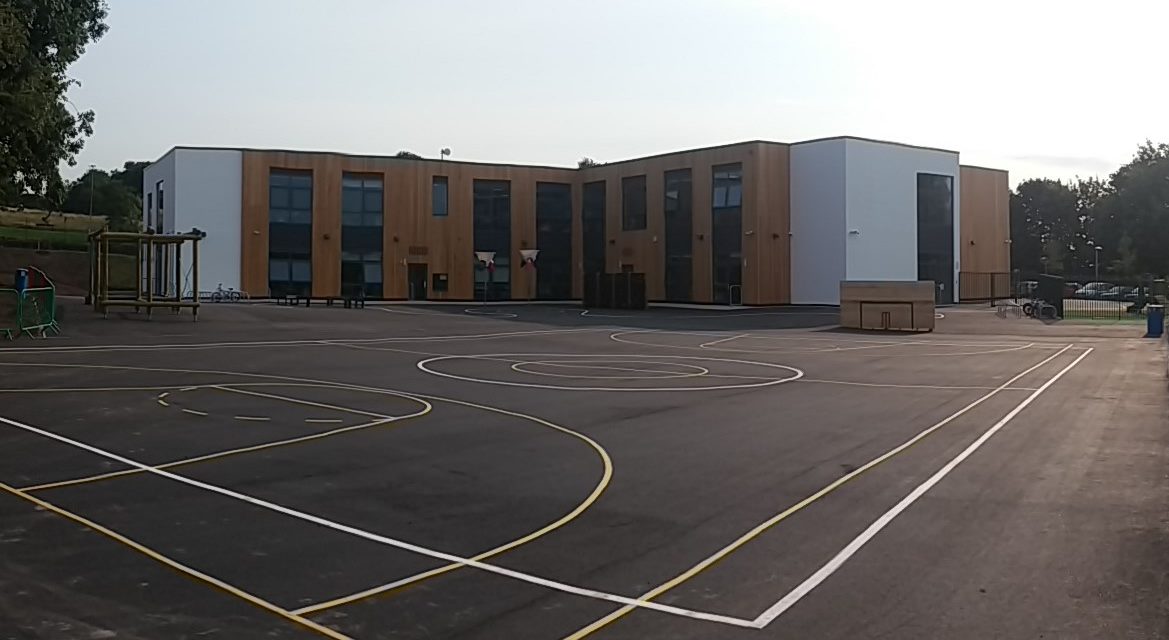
30,307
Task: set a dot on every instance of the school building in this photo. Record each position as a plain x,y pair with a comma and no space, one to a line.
755,223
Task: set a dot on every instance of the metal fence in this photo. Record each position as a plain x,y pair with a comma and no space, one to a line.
1103,298
32,311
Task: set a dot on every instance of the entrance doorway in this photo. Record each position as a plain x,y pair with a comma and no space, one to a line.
416,276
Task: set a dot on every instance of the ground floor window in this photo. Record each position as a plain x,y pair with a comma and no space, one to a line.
290,274
361,273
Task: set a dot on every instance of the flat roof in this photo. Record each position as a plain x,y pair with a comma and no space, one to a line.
556,167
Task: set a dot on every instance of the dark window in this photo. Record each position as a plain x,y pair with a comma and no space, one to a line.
149,211
592,217
554,240
438,195
727,232
290,232
158,189
439,283
361,235
492,229
633,203
935,233
679,231
158,199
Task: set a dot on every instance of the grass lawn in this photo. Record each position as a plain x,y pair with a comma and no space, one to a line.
49,238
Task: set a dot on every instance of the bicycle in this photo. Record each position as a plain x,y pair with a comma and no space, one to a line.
230,294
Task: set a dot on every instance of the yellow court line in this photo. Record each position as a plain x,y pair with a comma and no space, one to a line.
799,506
309,403
217,455
177,566
606,477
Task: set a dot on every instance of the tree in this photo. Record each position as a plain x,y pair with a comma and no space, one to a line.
586,162
111,198
407,154
130,175
38,129
1044,222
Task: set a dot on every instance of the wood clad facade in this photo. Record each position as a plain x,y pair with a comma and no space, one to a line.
766,220
411,233
985,221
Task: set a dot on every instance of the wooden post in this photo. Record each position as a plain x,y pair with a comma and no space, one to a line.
178,277
149,277
105,274
195,279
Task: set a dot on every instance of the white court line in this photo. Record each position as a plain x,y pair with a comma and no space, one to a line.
194,412
795,595
323,420
194,346
821,493
767,382
385,540
727,339
253,418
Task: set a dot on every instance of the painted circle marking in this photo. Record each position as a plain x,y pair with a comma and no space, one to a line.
489,313
427,366
695,371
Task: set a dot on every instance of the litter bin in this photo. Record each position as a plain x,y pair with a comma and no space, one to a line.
21,282
1156,320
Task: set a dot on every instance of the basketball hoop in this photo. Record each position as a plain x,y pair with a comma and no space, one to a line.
529,257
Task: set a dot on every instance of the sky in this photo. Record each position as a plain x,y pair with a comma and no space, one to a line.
1042,89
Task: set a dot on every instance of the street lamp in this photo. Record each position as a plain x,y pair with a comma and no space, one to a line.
92,172
1098,249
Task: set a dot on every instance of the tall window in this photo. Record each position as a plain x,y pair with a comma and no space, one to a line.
290,232
592,218
361,235
727,232
158,199
149,211
492,229
554,240
679,231
633,203
935,233
438,195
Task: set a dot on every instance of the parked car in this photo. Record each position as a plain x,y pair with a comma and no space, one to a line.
1027,288
1070,289
1119,293
1093,289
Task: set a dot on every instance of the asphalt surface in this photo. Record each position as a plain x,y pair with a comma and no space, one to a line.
343,449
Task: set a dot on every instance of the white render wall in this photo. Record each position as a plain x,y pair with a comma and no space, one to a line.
882,207
208,196
203,189
817,221
854,213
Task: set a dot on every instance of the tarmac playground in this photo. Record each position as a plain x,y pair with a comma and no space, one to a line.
541,472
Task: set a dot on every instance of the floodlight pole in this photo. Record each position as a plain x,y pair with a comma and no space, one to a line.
1098,249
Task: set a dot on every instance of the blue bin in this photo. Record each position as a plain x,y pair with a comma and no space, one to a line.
1156,320
21,282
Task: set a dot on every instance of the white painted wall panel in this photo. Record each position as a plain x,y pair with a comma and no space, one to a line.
817,221
207,196
881,207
